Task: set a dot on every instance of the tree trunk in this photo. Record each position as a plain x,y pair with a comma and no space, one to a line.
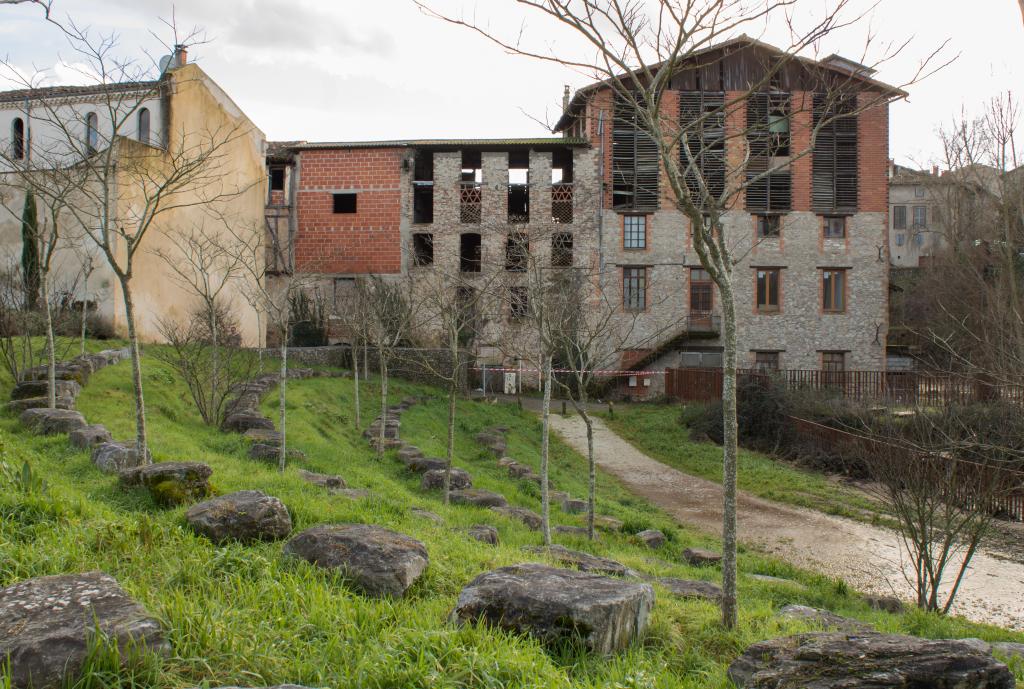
355,381
450,456
141,441
213,404
281,396
85,309
545,501
383,404
51,353
592,467
729,452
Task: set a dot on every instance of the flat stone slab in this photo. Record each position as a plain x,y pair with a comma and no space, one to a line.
692,588
478,497
322,480
46,624
585,562
52,421
608,523
419,465
271,453
378,562
434,479
171,483
248,515
18,406
116,457
89,436
41,388
875,661
409,452
531,519
484,534
823,618
574,506
242,422
264,436
558,605
700,557
652,538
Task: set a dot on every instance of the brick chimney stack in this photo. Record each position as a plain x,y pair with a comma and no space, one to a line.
180,58
565,98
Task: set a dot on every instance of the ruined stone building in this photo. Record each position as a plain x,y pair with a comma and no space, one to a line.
812,236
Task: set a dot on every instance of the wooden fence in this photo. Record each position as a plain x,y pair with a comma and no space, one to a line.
1002,488
901,388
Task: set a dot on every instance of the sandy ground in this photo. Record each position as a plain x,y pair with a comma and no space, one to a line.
866,557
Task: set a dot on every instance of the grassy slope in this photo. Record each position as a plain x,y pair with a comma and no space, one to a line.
656,430
246,615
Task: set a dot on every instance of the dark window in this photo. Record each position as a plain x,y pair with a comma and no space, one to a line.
920,217
769,226
422,249
519,187
833,290
344,203
769,182
635,160
519,302
834,165
634,231
561,250
919,192
423,166
469,252
423,188
768,289
701,293
899,217
92,134
517,252
834,226
766,361
702,158
144,132
277,179
18,138
634,288
833,362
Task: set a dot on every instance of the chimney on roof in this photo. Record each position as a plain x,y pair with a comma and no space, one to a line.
565,98
935,170
180,58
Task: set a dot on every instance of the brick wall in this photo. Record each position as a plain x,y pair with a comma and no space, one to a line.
367,241
873,154
801,103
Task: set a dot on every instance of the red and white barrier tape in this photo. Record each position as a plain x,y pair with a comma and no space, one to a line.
599,372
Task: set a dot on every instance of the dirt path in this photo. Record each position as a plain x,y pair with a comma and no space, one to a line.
867,557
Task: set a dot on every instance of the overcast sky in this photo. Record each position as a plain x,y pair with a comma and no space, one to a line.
381,69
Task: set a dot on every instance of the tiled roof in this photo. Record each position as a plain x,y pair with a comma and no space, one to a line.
70,91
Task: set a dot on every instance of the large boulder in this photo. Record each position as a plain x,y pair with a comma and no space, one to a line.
699,557
171,483
557,605
89,436
322,480
377,561
493,442
478,497
652,538
248,515
434,479
531,519
114,457
574,505
47,623
52,421
419,465
263,436
878,661
407,453
584,562
41,388
483,533
272,453
18,406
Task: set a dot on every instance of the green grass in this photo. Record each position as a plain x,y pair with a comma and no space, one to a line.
657,430
244,614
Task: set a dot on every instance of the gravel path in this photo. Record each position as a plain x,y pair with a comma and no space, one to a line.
866,557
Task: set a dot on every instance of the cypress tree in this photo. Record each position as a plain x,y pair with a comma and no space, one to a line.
30,252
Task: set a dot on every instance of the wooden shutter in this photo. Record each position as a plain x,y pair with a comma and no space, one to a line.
773,191
702,123
635,161
834,169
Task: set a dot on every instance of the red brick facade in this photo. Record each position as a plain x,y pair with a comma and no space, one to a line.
873,154
367,241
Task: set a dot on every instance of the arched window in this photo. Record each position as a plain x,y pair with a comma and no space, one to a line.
92,135
144,125
18,138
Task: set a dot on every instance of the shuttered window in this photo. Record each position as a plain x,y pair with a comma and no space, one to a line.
635,167
702,146
834,169
768,117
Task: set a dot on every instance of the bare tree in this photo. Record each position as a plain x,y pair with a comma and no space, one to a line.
87,257
634,50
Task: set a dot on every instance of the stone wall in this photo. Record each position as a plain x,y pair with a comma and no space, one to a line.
429,366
